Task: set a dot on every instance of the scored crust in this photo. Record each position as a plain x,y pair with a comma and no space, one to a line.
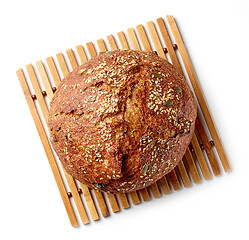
122,120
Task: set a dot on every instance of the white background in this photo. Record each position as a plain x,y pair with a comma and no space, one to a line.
216,35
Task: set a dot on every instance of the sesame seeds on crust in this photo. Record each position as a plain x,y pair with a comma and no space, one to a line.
122,120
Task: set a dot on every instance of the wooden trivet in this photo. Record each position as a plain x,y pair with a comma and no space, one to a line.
200,159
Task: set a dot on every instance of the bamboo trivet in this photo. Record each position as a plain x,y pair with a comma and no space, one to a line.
194,164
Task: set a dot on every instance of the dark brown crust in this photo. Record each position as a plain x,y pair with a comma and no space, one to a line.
122,120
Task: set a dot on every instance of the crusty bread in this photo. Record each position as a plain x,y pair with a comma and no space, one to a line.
122,120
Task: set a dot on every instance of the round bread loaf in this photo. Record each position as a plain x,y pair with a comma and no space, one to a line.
122,120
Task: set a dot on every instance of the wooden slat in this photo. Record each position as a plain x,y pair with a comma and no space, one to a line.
102,203
112,42
101,45
197,88
81,53
143,38
53,70
155,39
207,146
184,175
91,49
89,201
63,65
168,43
38,92
45,80
163,183
122,40
76,197
113,202
72,59
47,148
145,194
155,190
123,200
200,158
134,197
191,165
174,180
133,39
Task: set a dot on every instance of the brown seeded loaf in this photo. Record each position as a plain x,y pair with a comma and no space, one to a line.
122,120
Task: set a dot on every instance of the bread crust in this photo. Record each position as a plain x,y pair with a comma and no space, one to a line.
122,120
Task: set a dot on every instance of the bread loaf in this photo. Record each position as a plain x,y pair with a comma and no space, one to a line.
122,120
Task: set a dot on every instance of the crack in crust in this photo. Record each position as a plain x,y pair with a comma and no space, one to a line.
122,120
